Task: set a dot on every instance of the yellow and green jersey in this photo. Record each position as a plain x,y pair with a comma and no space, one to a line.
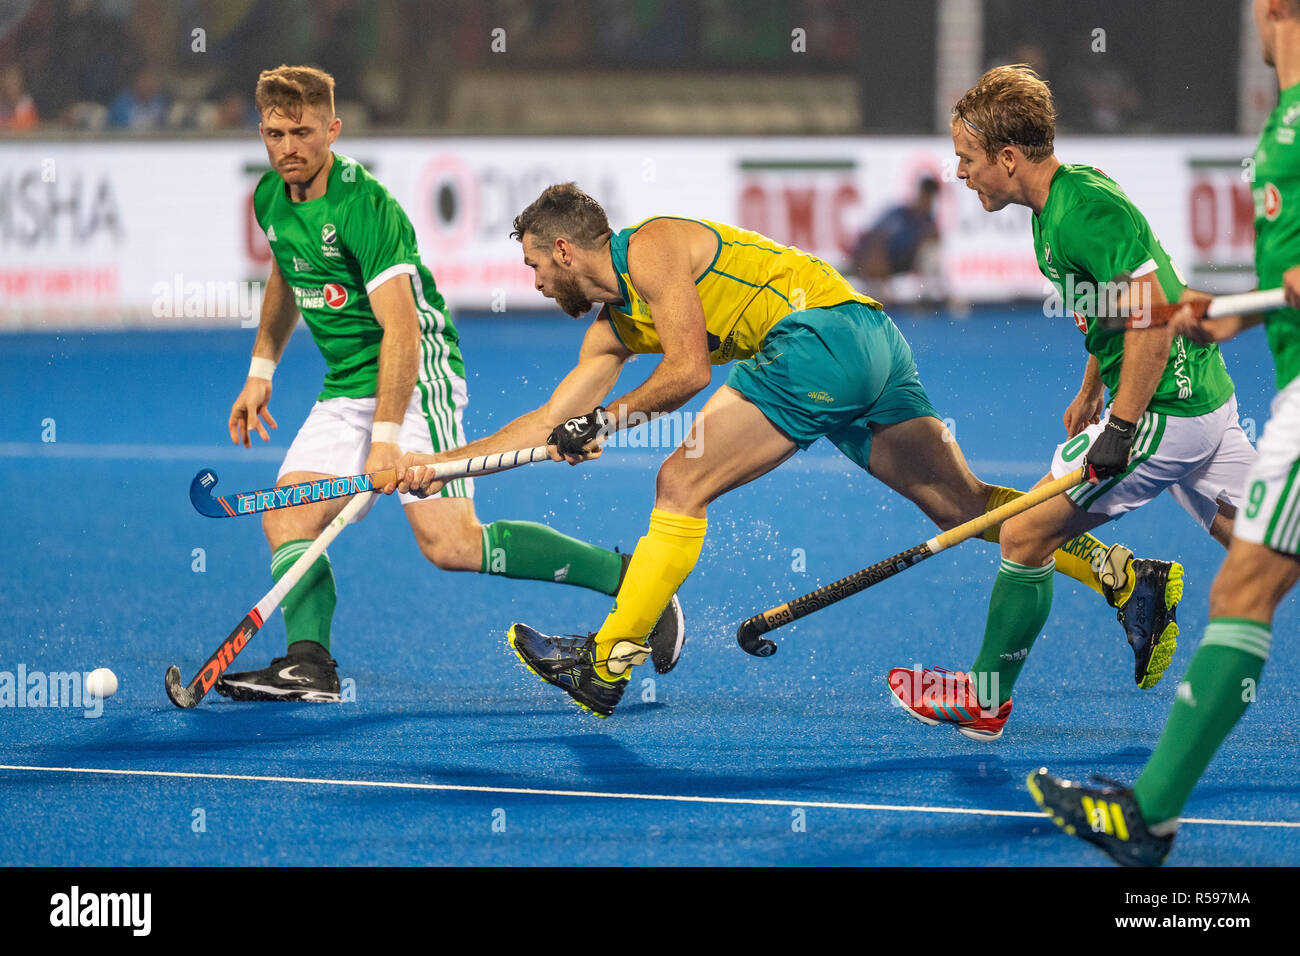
333,252
751,285
1277,225
1088,234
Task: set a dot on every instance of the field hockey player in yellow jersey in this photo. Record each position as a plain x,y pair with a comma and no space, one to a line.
814,358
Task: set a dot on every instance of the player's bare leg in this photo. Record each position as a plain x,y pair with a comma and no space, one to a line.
920,459
1221,526
448,532
731,443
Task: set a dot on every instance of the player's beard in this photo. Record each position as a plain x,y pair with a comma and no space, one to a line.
567,294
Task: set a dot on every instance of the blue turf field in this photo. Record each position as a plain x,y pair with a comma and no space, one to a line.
798,759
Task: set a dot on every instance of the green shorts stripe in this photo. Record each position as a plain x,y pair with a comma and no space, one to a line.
437,391
1284,513
1150,430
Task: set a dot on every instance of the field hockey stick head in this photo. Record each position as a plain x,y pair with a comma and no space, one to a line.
749,637
201,495
180,695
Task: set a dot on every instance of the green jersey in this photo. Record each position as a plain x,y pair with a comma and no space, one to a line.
333,252
1088,235
1277,225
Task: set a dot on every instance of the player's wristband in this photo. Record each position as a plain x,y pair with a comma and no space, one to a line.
261,368
385,432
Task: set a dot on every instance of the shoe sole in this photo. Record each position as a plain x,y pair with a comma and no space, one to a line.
510,639
256,692
1162,655
966,732
675,606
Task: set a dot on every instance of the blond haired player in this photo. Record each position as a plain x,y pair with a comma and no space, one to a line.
345,257
1137,826
1171,422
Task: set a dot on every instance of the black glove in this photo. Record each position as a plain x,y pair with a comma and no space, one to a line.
575,434
1108,455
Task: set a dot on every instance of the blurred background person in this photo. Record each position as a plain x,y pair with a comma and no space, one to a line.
17,108
899,255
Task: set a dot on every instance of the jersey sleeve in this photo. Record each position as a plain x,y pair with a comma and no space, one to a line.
263,193
381,238
1106,241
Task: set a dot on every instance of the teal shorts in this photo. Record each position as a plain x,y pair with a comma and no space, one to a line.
834,373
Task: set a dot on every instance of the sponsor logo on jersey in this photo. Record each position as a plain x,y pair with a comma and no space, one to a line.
336,297
1285,135
1047,252
1080,322
822,398
1272,202
301,265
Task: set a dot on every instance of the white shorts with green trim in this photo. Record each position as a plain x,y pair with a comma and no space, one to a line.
1271,512
335,438
1201,461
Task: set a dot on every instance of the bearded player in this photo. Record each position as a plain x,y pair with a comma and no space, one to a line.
1137,826
345,257
1171,422
814,358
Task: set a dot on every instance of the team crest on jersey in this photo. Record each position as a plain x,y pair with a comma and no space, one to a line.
336,296
1047,252
329,236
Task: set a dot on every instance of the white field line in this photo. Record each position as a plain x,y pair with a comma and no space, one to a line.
599,795
615,457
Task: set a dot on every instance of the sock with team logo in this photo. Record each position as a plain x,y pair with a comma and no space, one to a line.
1220,681
663,559
534,552
1074,559
1018,609
309,606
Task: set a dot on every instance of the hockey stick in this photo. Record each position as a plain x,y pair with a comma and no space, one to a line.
221,659
323,489
1243,303
748,634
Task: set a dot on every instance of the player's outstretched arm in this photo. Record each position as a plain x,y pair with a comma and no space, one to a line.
279,315
659,263
599,363
393,303
1190,320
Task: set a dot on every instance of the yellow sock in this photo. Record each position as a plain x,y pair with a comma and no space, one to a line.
661,562
1077,558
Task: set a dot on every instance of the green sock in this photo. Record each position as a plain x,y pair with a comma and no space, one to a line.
1018,609
309,605
1220,681
534,552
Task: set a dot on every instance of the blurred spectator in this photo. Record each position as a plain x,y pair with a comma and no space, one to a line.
897,242
235,110
142,105
17,109
1112,98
